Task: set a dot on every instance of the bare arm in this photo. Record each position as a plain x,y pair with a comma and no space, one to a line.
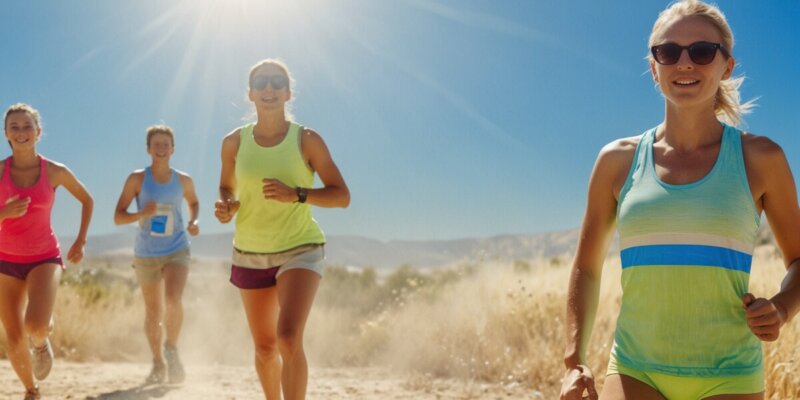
133,185
62,176
334,192
193,226
597,230
773,187
227,205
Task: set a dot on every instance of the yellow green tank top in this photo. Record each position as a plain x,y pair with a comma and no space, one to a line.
270,226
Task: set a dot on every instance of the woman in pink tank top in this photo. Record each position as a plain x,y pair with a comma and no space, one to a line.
30,258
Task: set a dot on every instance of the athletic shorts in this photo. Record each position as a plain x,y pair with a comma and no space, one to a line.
262,270
21,270
151,269
690,387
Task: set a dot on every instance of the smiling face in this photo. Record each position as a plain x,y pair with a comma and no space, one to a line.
160,146
685,83
268,97
22,130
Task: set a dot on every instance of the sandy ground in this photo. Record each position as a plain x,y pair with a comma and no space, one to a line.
122,381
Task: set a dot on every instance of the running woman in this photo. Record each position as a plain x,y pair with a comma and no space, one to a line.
266,181
161,252
30,257
686,197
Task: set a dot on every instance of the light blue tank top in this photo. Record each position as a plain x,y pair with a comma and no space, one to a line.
163,233
686,252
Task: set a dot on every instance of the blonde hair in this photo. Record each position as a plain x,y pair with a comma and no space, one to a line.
24,108
282,65
160,130
727,106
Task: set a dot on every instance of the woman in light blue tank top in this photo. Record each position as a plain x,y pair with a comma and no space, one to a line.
161,252
686,197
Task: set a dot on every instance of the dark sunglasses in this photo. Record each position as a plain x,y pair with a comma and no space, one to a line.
701,53
260,82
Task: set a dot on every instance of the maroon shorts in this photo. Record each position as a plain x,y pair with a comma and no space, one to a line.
21,270
249,278
262,270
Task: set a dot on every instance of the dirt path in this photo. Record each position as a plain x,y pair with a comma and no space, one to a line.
122,381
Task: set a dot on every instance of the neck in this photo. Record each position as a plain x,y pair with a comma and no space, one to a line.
159,165
24,158
271,123
690,128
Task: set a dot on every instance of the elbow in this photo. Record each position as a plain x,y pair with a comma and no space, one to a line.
345,201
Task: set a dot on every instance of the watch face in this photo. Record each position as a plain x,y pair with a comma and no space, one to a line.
302,193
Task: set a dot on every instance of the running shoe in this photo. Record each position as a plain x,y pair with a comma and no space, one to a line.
32,394
42,360
176,373
158,374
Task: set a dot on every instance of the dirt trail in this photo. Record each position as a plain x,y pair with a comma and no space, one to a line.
122,381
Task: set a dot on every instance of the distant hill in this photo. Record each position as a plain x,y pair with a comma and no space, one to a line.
364,252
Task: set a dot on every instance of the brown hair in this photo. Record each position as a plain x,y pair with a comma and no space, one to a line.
160,130
728,105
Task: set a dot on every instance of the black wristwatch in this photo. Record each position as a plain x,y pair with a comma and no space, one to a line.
302,194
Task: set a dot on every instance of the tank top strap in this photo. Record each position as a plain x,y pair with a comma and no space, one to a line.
43,174
7,169
148,176
646,149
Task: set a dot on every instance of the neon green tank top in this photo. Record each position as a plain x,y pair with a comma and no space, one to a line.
269,226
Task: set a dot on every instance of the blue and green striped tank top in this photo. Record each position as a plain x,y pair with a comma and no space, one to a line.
686,252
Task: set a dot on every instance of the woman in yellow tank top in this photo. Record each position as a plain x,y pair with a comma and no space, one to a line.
267,173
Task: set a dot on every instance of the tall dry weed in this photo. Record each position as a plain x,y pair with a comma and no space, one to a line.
488,322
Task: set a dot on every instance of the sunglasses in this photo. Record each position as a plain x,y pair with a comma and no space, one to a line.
260,82
701,53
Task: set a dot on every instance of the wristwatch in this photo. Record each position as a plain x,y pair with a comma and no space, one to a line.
302,194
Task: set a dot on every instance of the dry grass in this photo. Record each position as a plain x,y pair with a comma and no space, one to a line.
493,322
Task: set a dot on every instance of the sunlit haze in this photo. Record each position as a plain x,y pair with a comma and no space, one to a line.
448,119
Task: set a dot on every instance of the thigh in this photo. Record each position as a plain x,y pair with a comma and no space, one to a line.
175,279
261,308
12,301
42,283
623,387
296,291
153,295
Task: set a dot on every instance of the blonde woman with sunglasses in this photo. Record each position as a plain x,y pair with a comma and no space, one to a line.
266,181
686,197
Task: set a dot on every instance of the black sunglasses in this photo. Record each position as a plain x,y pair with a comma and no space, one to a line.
701,53
260,82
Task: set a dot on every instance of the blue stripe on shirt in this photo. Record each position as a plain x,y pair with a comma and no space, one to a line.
686,254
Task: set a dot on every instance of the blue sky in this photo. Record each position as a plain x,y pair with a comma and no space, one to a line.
448,119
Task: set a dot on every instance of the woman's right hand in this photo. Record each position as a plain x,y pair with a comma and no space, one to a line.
15,207
224,210
577,380
148,210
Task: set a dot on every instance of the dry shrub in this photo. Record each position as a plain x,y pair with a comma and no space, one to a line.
489,322
505,324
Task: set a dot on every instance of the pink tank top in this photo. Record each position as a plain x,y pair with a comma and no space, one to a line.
28,238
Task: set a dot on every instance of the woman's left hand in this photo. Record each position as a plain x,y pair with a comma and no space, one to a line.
75,254
274,189
764,317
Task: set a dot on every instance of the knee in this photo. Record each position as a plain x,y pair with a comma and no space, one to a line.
174,301
290,341
152,314
266,350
